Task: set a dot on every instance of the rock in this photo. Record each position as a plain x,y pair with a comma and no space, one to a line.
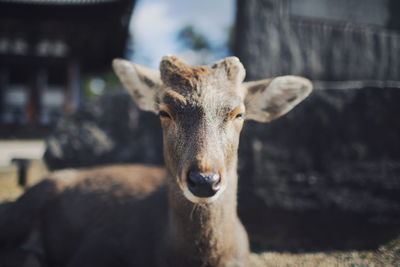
326,175
108,130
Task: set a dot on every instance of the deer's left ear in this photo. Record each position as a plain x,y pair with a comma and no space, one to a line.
271,98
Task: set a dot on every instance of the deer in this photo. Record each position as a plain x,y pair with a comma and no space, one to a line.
183,214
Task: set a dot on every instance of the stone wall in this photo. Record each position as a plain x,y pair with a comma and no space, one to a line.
271,40
327,175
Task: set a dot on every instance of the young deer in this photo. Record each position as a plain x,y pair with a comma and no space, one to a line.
130,215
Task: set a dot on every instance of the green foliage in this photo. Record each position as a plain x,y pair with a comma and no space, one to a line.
193,39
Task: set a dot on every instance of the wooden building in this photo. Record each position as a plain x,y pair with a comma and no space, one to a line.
45,47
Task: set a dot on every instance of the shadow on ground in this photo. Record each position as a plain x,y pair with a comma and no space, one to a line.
310,231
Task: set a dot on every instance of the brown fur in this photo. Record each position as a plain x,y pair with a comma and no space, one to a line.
132,215
174,72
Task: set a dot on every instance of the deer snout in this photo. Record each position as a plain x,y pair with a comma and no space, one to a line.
203,184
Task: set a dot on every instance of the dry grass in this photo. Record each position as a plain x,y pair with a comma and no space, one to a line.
387,255
9,189
322,259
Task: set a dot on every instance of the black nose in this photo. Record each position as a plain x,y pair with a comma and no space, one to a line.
203,184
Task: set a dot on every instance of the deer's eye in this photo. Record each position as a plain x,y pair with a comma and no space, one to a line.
236,113
164,114
239,116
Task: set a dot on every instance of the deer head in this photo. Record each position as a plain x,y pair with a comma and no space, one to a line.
202,110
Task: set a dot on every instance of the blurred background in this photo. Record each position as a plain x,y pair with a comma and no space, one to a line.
326,177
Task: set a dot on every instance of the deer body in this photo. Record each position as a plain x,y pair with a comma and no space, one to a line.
183,215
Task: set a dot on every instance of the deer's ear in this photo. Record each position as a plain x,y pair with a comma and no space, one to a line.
271,98
143,83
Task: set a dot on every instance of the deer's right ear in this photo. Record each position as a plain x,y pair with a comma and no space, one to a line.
143,83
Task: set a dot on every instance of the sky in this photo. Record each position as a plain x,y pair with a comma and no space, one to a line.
155,24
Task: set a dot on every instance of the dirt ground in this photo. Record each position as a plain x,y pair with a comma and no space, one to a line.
9,189
387,255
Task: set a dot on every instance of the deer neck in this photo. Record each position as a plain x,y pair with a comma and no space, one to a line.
205,230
